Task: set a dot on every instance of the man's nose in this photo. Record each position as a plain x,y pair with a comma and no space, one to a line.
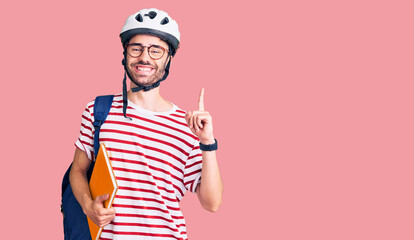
145,55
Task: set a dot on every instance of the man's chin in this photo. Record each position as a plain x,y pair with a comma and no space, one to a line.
143,81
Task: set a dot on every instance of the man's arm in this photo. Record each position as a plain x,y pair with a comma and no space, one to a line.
80,187
210,189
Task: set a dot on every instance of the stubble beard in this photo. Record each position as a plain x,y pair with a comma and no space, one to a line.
145,80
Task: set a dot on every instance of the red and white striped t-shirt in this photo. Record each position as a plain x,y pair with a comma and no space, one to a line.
156,159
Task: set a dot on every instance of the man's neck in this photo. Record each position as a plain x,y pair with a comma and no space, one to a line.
150,100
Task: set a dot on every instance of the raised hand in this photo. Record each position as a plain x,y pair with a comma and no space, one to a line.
200,122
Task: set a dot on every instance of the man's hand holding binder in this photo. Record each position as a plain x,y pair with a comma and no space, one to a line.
96,211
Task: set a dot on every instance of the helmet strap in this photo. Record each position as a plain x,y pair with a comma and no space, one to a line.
124,96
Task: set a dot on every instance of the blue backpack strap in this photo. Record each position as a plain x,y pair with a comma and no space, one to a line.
101,110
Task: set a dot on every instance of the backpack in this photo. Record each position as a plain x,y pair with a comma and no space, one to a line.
75,223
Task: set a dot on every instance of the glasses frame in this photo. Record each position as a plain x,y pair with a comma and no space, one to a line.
148,50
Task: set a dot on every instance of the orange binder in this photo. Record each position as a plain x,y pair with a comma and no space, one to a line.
102,182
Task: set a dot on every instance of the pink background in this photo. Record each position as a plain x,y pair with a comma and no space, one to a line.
312,103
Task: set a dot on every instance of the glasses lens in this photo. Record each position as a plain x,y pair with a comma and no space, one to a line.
156,52
135,50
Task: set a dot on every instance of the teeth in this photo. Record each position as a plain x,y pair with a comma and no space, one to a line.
144,69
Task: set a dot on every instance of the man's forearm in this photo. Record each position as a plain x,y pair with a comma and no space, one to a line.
94,209
210,190
78,180
80,187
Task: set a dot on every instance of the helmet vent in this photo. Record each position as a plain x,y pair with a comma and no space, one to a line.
151,14
165,21
139,18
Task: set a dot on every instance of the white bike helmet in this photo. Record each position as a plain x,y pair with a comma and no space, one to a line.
151,22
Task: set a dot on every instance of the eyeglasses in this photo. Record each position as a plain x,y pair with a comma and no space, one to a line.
154,51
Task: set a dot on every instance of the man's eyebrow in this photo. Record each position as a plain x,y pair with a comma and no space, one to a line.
150,45
155,45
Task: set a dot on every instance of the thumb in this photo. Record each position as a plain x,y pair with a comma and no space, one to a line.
187,116
102,198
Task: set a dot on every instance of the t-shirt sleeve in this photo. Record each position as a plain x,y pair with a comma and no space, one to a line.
192,171
85,139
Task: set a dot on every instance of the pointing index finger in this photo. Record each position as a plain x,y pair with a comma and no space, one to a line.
201,100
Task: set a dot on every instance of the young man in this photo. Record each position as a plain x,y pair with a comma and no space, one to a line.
158,151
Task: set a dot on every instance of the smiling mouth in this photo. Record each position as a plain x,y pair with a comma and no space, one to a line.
143,69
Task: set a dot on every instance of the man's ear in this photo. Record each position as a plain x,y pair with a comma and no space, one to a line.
169,59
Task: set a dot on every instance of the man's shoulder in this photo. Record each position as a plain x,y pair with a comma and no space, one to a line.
90,105
177,111
117,98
